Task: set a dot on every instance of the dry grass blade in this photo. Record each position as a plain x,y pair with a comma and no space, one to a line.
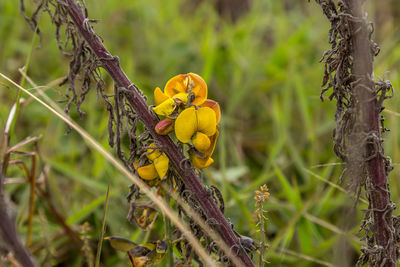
331,227
305,257
332,184
394,113
161,204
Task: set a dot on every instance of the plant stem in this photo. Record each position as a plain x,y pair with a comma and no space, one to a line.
136,100
379,193
8,231
168,233
262,234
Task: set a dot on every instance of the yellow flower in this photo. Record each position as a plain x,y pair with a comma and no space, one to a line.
200,126
176,92
261,195
183,83
193,120
158,167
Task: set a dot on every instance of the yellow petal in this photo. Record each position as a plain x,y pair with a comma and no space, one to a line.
153,153
206,121
183,82
165,108
199,89
175,85
214,106
213,140
159,96
186,125
182,96
206,161
201,142
201,163
147,172
161,164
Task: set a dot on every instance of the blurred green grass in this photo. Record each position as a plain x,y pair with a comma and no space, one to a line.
264,71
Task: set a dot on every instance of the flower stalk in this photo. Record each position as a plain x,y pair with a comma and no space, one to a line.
177,160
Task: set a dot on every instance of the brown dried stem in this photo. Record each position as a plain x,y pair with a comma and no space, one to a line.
358,142
9,238
379,193
178,161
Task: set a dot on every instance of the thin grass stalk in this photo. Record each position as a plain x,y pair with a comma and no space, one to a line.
168,233
18,97
32,188
136,100
262,236
103,224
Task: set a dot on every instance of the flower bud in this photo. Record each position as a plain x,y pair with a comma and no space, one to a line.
165,126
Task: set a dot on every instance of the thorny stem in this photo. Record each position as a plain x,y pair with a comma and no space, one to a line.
365,93
379,191
136,100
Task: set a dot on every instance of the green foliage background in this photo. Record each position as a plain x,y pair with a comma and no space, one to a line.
264,71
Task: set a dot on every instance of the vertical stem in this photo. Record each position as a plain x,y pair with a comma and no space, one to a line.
8,231
262,234
168,231
379,194
32,185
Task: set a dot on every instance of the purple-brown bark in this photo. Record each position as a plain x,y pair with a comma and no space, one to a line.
357,136
378,192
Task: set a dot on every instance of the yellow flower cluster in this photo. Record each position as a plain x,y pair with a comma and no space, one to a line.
192,117
262,195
